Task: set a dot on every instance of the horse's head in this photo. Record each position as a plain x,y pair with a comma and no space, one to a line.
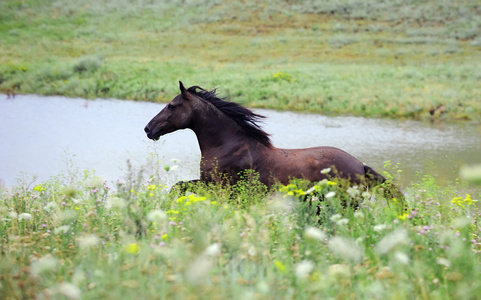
175,115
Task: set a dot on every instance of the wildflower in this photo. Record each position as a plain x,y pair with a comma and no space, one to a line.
390,241
198,269
358,215
43,264
212,250
62,229
330,194
401,257
69,290
335,218
88,241
13,215
132,248
304,268
353,191
379,227
444,262
117,202
366,195
339,271
325,171
25,216
314,233
279,265
164,236
156,215
51,206
342,222
39,188
346,248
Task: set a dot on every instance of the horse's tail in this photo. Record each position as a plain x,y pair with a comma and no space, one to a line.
373,177
389,189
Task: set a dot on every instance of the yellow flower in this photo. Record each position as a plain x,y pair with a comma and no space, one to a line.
280,266
39,188
165,236
151,187
132,248
403,217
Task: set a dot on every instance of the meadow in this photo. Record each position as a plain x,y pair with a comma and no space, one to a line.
77,236
401,59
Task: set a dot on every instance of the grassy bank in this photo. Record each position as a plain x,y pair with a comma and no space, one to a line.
77,237
401,59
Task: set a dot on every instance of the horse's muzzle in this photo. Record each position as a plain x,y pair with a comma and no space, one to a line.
149,133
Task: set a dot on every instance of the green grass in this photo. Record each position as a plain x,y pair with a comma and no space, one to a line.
76,237
369,58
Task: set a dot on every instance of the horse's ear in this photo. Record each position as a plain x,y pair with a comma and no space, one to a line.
183,91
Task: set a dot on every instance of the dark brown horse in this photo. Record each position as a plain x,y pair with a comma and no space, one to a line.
231,141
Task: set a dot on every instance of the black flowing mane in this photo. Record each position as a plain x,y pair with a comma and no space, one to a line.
244,117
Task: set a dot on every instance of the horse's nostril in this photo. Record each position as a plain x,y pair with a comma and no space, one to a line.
147,130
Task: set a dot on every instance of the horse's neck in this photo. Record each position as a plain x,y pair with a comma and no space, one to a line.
214,130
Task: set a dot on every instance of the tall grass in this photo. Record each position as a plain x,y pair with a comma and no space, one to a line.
78,237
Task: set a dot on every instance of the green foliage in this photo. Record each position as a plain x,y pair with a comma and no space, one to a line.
77,237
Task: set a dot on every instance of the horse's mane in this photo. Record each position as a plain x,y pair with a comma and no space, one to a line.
244,117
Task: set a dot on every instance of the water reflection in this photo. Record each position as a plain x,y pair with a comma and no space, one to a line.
39,134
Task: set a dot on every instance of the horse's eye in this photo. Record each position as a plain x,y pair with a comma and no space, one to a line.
170,107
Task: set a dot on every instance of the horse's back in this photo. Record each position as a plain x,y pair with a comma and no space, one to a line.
308,164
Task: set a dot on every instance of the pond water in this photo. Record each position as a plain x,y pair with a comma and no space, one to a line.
44,136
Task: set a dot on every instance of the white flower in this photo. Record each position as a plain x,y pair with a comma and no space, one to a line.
95,182
346,248
444,262
43,264
304,268
198,269
212,250
342,222
390,241
51,206
314,233
401,257
338,270
335,218
330,194
353,191
118,202
62,229
325,171
366,195
25,216
358,215
156,215
87,241
379,227
13,215
69,290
